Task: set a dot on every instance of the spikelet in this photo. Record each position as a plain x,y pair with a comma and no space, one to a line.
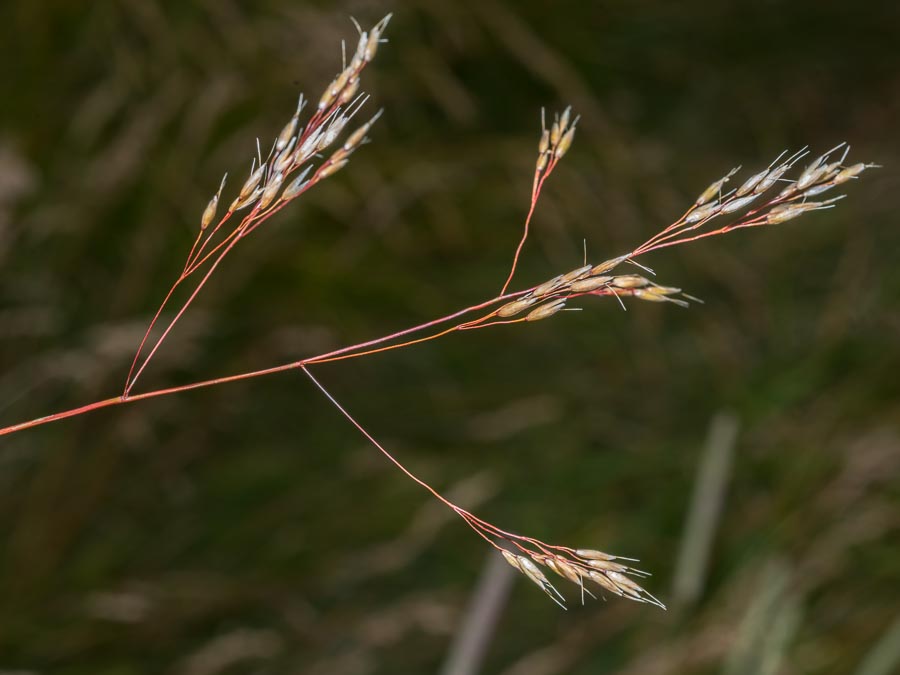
546,310
608,265
252,182
243,202
703,212
358,136
590,284
271,190
576,274
568,571
209,213
285,160
287,133
591,554
564,144
516,307
715,188
750,184
297,185
852,172
815,170
628,281
548,286
332,168
658,294
544,144
607,566
601,579
555,134
733,205
512,559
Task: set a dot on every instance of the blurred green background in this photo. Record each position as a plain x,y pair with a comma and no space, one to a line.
249,529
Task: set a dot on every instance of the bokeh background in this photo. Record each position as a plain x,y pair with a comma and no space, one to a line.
747,450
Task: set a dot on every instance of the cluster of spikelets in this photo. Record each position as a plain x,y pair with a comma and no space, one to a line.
791,201
579,566
301,157
267,186
551,296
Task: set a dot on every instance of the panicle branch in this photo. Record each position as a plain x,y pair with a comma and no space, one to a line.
298,160
751,198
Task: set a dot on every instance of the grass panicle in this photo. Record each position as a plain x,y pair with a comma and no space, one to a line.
303,154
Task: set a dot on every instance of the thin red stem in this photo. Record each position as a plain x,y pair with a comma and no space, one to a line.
255,373
190,254
184,307
461,512
535,194
192,261
137,354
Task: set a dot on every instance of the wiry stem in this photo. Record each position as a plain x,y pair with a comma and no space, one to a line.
180,313
351,351
554,143
382,449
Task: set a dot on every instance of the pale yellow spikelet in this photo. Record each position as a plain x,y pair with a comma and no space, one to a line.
546,310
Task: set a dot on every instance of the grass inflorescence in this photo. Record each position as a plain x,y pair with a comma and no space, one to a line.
305,153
